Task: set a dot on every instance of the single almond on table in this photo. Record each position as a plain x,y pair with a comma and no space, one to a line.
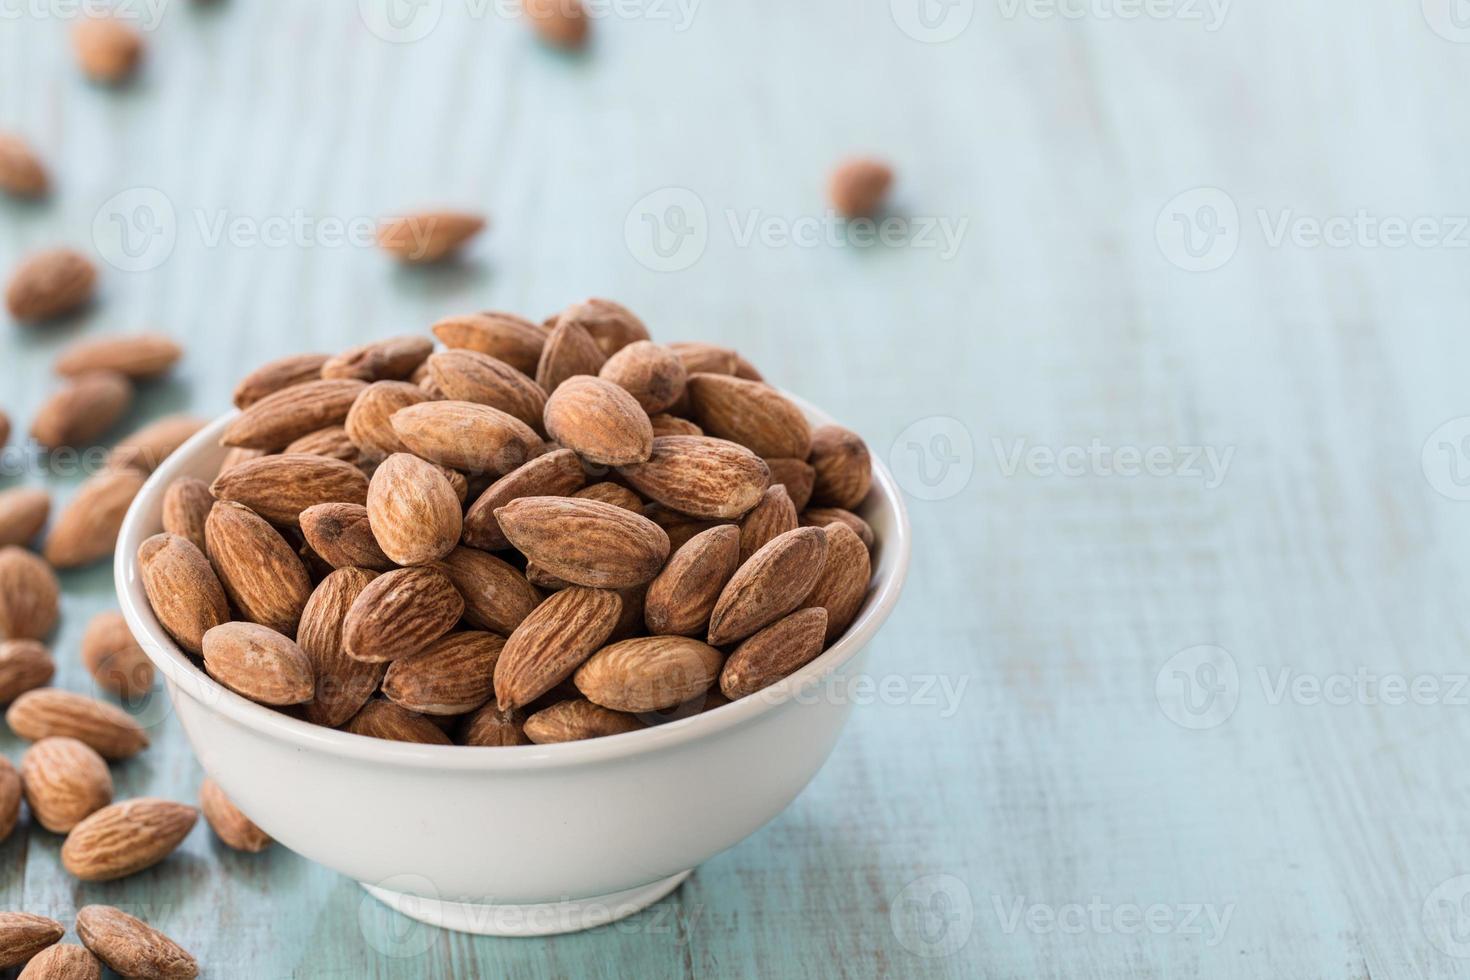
400,614
80,413
572,721
10,794
113,657
701,477
492,727
504,336
50,284
569,351
649,673
393,359
63,961
228,823
552,642
22,174
86,530
342,535
65,782
771,518
279,488
497,596
149,446
369,424
671,425
586,542
333,442
278,375
186,506
107,49
774,582
24,666
611,325
823,516
751,413
260,572
258,663
858,187
470,376
466,436
23,935
343,685
48,711
453,676
843,585
185,593
279,419
124,838
30,596
785,646
384,719
559,23
556,474
844,470
797,476
653,375
23,513
701,358
414,512
599,421
137,356
428,236
681,598
132,947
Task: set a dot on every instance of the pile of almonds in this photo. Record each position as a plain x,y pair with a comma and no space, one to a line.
540,533
109,935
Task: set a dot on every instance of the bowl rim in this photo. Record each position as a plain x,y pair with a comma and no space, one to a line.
215,697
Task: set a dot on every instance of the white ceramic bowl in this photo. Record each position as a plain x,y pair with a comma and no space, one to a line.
529,840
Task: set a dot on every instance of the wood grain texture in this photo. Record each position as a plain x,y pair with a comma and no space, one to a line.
1055,600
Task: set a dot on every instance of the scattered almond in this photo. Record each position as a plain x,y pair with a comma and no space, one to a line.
228,823
136,356
30,596
24,666
50,284
23,935
183,589
81,412
107,49
859,186
428,236
86,530
65,781
47,712
23,513
10,794
132,947
21,172
63,962
785,646
113,657
559,23
123,839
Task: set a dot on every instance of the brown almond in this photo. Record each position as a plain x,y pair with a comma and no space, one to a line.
543,579
342,535
186,506
149,446
278,375
823,516
681,598
65,782
858,187
428,236
414,512
573,721
79,414
107,49
466,436
24,666
497,596
843,585
453,676
599,421
774,582
785,646
751,413
230,825
470,376
394,359
701,358
368,424
797,476
10,794
701,477
343,685
681,528
653,375
86,530
50,284
138,356
772,517
400,614
503,336
23,513
47,712
260,571
586,542
492,727
612,493
556,474
552,642
569,351
745,369
279,488
185,593
238,456
258,663
63,961
559,23
384,719
612,325
22,174
23,935
132,947
113,657
30,596
672,425
333,442
279,419
844,471
649,673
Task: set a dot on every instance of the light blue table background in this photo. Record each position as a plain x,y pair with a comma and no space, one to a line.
1083,807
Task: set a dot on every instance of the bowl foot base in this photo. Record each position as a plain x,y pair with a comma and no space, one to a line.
549,919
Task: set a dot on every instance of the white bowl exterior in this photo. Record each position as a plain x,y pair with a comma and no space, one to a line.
531,824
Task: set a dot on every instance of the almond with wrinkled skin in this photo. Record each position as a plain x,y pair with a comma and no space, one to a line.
653,375
132,947
771,518
107,50
497,596
492,727
65,782
149,446
543,579
414,512
612,325
24,666
681,528
239,456
586,542
453,676
681,598
701,477
823,516
279,419
113,657
342,535
23,935
701,358
797,476
186,506
278,375
552,642
394,359
556,474
843,585
368,424
503,336
858,187
279,488
343,685
466,436
559,23
47,712
649,673
400,614
844,470
573,721
612,493
260,571
775,581
23,513
774,652
569,351
258,663
230,825
22,174
333,442
48,285
63,962
10,794
86,529
137,356
4,429
81,412
672,425
183,590
751,413
599,421
470,376
384,719
30,596
428,236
